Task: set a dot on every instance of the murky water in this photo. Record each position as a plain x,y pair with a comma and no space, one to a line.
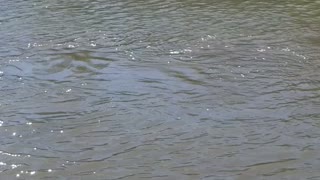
193,89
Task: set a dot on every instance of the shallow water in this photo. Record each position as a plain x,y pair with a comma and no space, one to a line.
212,90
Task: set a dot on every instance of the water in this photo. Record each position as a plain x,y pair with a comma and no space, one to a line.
212,90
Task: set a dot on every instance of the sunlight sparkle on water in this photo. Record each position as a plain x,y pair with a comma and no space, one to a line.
174,52
261,50
13,166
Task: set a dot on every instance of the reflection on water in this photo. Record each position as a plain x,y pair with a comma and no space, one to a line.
211,90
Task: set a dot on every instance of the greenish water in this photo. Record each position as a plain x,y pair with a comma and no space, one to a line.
212,90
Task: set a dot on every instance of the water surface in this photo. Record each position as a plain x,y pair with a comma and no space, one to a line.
212,90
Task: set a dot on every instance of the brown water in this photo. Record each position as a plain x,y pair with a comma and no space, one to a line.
172,89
